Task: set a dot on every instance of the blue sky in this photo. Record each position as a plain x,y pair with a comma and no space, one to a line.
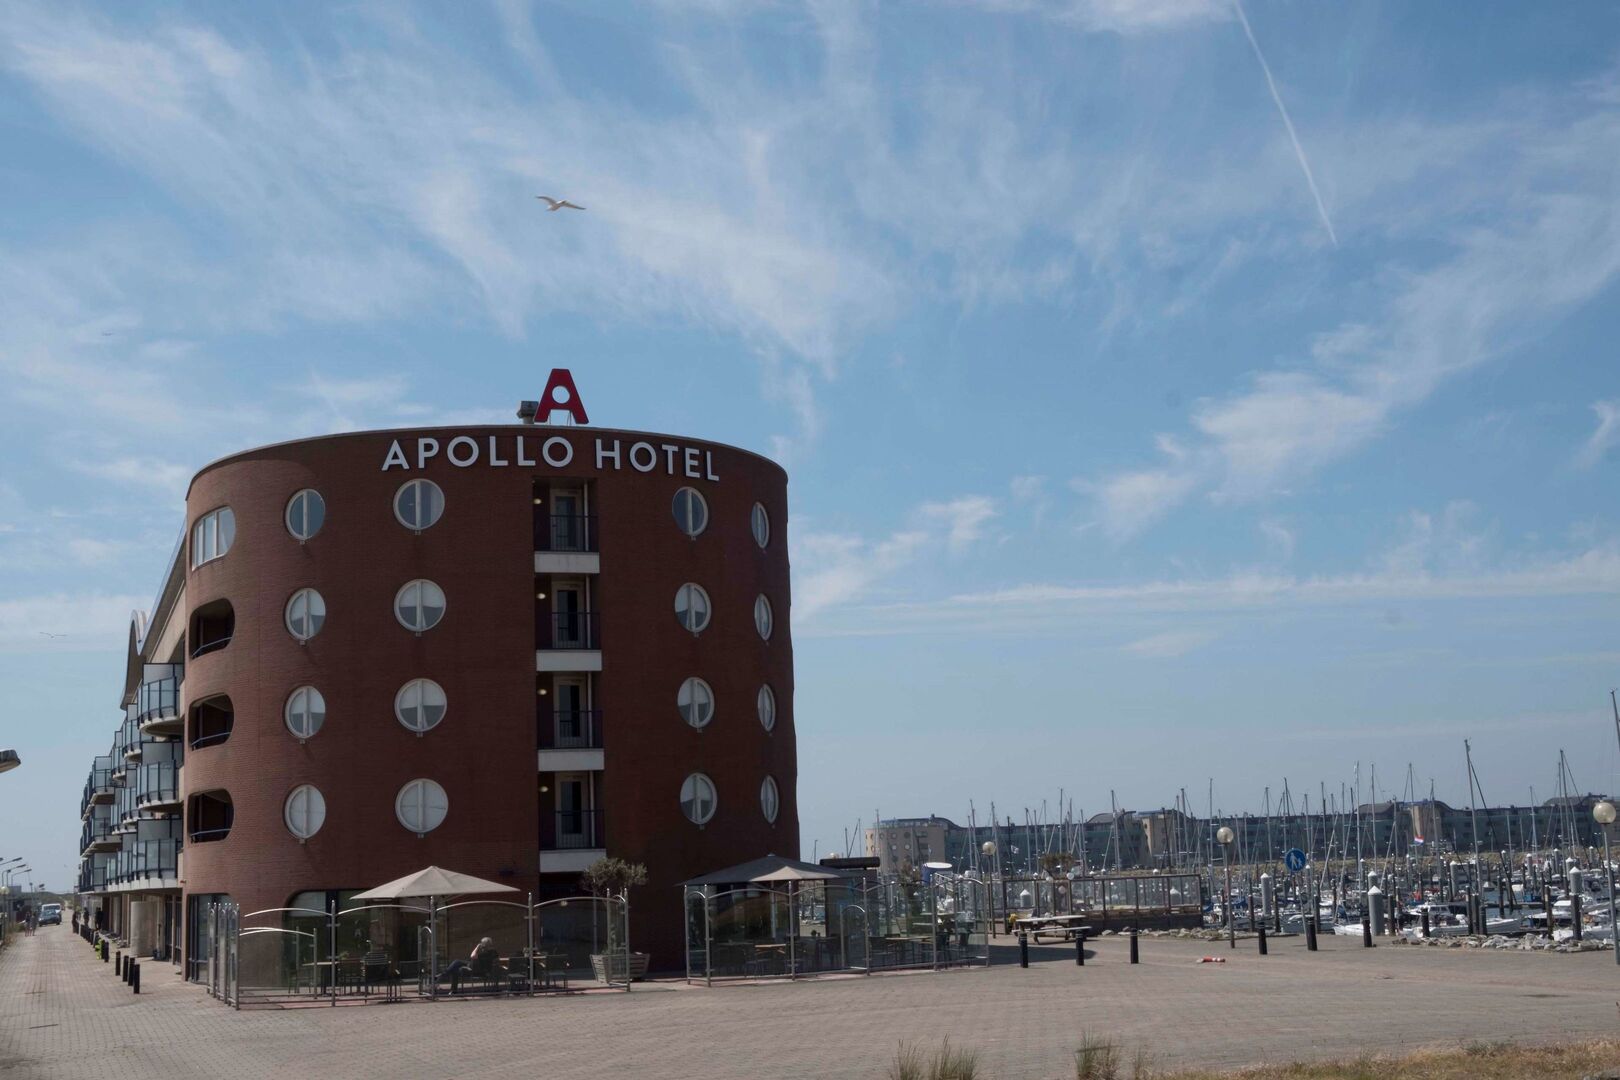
1162,400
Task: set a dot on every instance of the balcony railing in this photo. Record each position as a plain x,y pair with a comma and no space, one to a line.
569,630
157,784
571,729
212,645
570,532
146,859
97,832
572,830
158,700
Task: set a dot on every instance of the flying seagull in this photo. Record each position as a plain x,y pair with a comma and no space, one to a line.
553,205
48,634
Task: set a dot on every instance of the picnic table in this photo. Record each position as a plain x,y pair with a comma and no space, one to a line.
1064,927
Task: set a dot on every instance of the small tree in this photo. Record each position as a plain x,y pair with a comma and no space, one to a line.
608,876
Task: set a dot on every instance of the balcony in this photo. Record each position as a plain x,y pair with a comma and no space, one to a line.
98,835
157,706
211,722
567,545
212,626
570,740
146,861
98,789
571,840
568,641
157,787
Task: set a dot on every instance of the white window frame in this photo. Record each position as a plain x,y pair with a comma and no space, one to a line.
695,498
419,484
306,595
759,523
708,607
302,499
770,799
689,688
421,608
208,541
421,790
287,712
765,706
692,781
421,704
314,807
764,617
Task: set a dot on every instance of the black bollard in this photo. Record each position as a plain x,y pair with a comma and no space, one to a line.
1136,955
1080,949
1575,911
1366,930
129,962
106,953
1261,927
135,978
1425,922
1023,949
1310,933
1546,900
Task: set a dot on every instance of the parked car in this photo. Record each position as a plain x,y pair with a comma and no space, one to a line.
50,913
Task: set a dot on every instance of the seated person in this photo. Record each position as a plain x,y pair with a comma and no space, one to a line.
485,963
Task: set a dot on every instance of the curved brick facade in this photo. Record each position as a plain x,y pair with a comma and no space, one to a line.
484,753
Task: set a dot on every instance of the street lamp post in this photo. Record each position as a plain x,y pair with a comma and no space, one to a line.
1224,835
1603,814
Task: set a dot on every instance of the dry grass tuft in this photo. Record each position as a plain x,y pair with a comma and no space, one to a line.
910,1063
1471,1061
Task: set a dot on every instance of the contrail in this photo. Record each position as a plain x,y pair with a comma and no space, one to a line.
1299,151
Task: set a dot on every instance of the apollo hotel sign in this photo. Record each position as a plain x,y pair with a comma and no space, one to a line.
556,451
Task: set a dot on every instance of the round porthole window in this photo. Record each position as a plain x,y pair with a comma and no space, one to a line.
420,705
418,504
691,511
306,513
698,799
696,702
421,806
764,620
304,812
760,522
419,605
770,800
305,711
692,607
766,703
306,613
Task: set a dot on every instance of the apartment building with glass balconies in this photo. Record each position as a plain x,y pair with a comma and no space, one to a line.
507,651
131,840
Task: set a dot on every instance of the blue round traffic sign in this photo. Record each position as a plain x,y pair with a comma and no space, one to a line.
1294,859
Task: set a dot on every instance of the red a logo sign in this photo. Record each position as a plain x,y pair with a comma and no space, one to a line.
561,396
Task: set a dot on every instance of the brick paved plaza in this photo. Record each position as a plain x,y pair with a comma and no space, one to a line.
65,1014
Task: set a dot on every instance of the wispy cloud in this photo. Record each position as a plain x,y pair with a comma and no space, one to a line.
1288,123
1556,244
1168,645
963,519
1605,437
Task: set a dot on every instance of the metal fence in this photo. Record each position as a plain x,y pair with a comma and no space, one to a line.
414,949
813,928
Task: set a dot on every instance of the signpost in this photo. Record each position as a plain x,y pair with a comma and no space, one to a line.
1294,859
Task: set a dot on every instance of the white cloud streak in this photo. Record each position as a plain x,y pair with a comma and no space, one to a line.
1605,437
1282,110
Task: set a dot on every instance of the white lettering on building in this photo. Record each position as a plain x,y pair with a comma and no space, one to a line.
557,452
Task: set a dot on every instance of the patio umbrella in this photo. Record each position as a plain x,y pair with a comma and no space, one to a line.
433,881
770,869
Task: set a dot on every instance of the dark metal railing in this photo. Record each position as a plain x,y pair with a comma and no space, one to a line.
570,532
569,630
157,783
571,729
210,646
203,836
576,829
209,740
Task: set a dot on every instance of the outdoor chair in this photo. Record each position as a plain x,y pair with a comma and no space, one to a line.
378,972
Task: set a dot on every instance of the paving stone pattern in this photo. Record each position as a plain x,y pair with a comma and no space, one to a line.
65,1014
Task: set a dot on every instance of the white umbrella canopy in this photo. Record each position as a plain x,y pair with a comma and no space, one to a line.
433,881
